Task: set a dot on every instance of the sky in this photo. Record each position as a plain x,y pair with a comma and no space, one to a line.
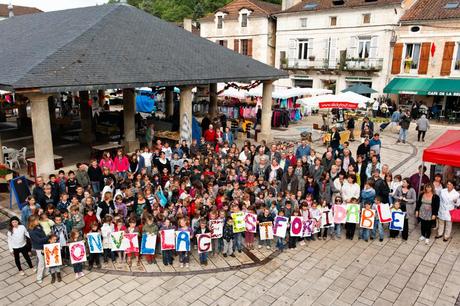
54,5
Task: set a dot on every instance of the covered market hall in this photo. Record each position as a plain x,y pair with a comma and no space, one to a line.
115,46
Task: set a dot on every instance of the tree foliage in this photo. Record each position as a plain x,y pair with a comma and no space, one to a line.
177,10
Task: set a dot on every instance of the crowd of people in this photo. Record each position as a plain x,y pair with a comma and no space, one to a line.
186,187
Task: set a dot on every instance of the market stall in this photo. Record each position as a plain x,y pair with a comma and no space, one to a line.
444,154
340,102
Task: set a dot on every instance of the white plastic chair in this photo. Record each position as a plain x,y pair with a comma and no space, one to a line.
22,155
12,159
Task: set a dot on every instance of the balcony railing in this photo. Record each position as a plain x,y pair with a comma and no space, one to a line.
373,64
352,64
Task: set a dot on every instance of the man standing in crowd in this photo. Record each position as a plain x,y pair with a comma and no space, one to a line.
302,150
404,123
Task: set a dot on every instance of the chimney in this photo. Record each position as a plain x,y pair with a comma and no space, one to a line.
188,24
286,4
10,10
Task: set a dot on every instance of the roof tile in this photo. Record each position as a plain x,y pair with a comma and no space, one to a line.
259,9
18,10
328,4
431,10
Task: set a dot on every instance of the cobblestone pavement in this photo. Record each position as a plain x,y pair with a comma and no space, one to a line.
332,272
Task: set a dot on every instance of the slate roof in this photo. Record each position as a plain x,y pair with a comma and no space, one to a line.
113,46
431,10
18,10
328,4
259,9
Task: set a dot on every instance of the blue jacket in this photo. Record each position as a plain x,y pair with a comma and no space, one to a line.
396,116
228,137
26,213
302,151
368,195
38,238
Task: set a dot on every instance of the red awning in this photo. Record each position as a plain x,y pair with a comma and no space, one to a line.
445,150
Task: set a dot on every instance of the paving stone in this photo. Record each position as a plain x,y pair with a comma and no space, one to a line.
350,295
407,297
430,293
389,295
370,294
417,281
327,298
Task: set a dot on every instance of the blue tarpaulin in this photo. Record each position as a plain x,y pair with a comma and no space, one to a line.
196,130
145,102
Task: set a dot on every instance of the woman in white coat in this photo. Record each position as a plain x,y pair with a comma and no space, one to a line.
449,201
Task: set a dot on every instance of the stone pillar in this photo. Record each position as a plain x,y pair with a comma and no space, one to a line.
265,127
86,135
129,111
213,100
185,111
41,130
169,101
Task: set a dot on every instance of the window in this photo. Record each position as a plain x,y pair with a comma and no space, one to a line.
302,49
366,18
457,58
244,47
338,2
333,20
364,45
310,6
411,57
452,5
244,20
222,42
303,22
415,29
220,22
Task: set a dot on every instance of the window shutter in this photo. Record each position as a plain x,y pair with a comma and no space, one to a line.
292,49
373,52
353,44
225,43
236,45
397,58
447,58
333,53
250,47
310,47
424,58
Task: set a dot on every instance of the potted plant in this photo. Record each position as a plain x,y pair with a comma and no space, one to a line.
284,63
6,175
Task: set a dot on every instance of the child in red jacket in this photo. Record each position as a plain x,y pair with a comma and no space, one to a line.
89,218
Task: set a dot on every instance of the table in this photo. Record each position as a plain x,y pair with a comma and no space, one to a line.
32,167
96,151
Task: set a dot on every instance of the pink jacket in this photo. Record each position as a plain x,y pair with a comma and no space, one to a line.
107,163
121,165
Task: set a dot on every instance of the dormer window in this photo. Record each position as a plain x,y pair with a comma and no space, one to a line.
220,22
333,21
366,18
244,20
244,16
